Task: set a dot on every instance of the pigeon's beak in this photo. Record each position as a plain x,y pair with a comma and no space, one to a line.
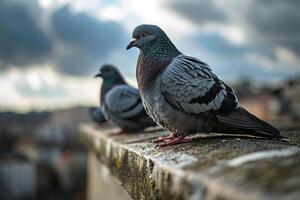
131,44
98,75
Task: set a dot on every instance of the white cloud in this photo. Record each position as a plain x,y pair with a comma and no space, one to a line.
42,88
285,55
78,5
260,60
111,12
233,33
131,13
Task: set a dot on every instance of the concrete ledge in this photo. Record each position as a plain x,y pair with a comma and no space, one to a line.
211,167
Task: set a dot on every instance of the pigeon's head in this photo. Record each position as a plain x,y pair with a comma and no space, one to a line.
108,72
146,35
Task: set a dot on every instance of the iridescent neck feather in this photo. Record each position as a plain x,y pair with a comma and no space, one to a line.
153,59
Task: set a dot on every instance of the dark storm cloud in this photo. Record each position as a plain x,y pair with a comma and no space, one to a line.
229,59
266,23
22,42
275,22
86,32
198,11
88,40
216,43
79,45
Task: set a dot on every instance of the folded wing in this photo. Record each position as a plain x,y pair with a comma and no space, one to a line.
124,102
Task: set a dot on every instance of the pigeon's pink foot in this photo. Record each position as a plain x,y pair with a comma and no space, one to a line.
161,139
97,126
177,140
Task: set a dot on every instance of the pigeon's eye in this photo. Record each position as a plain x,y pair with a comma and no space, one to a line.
143,34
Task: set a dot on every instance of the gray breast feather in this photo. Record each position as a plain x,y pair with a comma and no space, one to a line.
123,101
190,86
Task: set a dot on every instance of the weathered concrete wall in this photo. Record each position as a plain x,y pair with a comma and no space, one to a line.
101,184
210,167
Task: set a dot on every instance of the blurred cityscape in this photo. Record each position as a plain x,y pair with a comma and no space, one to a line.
41,155
271,102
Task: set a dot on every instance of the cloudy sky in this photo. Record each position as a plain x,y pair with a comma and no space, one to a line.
50,49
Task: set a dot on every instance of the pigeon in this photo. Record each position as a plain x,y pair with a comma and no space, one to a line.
111,77
182,94
97,115
120,103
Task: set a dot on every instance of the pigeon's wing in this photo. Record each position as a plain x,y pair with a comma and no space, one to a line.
190,86
123,102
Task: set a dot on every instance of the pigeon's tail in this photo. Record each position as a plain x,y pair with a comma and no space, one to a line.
246,123
97,114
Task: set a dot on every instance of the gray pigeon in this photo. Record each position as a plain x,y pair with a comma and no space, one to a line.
121,104
111,77
184,96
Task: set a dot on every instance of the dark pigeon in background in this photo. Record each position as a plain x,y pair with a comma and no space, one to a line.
183,95
111,78
97,115
120,103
